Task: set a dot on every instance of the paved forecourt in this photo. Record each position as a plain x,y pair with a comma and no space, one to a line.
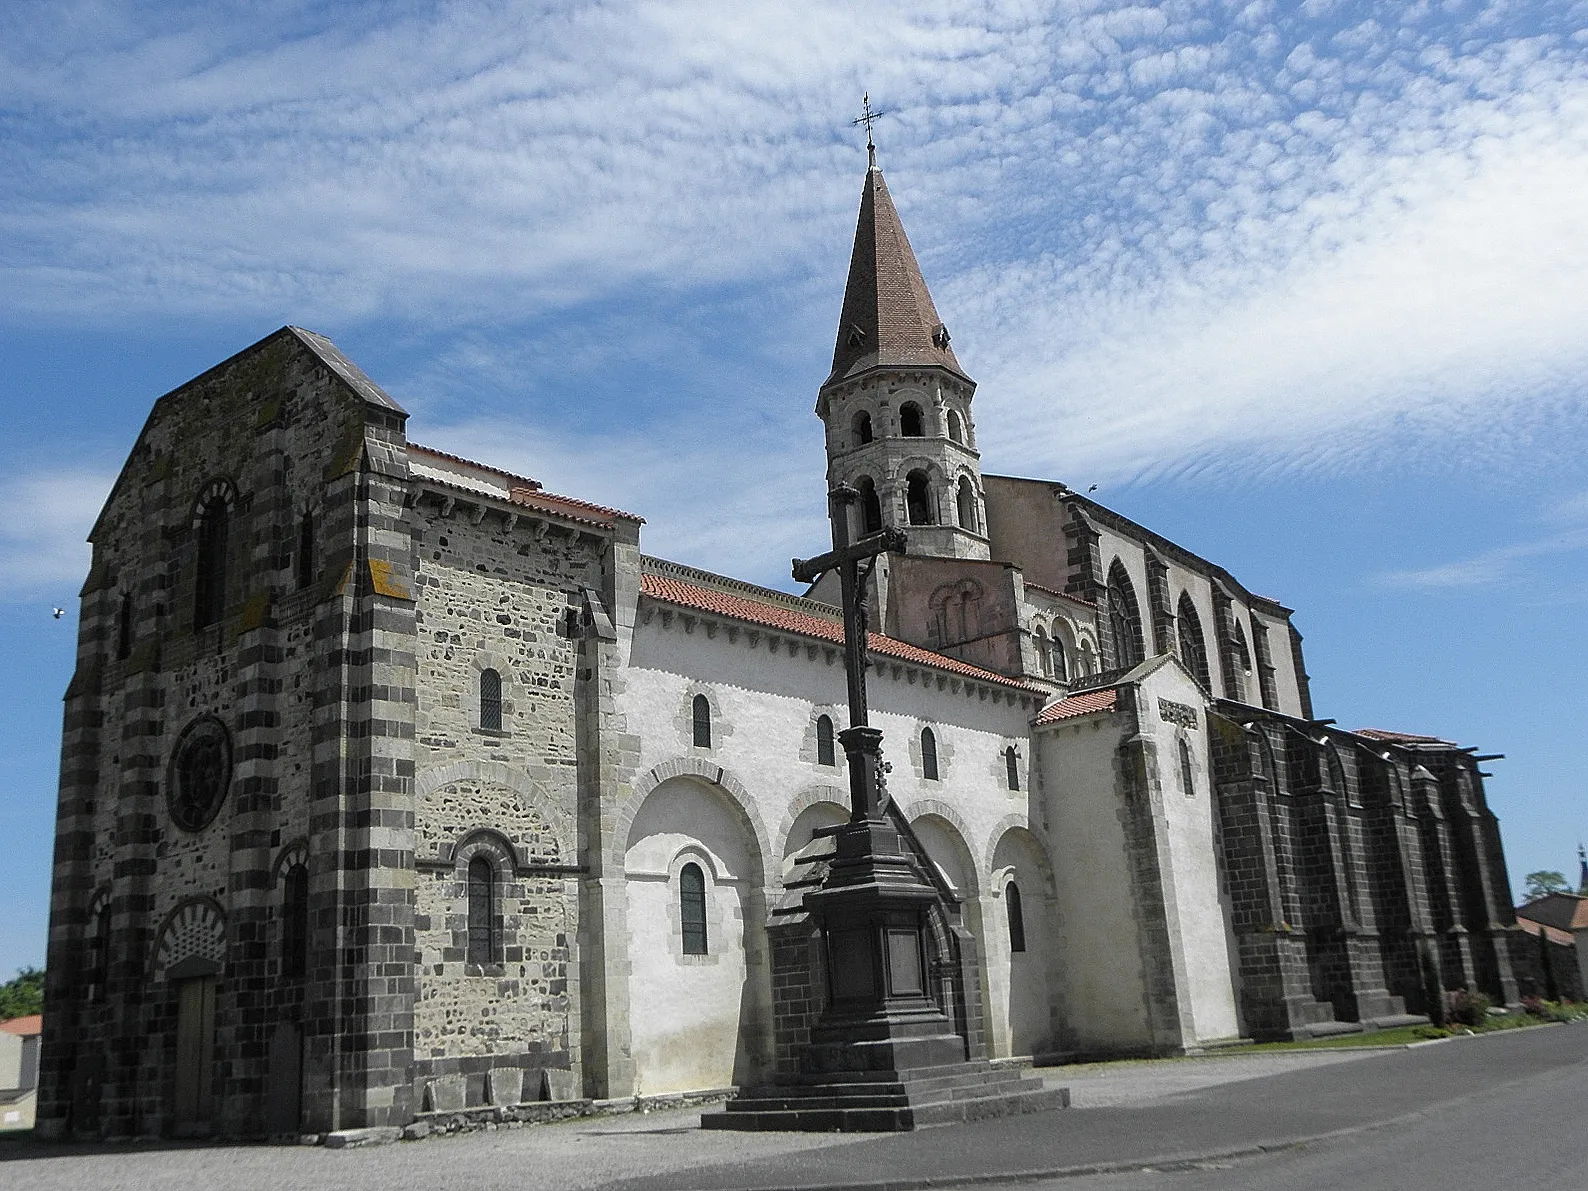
1126,1115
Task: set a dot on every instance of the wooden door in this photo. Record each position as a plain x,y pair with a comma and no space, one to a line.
195,1055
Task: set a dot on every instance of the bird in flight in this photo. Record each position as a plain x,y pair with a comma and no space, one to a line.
59,612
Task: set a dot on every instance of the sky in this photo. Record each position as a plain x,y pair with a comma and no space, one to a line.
1299,286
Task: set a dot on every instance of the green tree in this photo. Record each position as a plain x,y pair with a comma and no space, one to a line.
1544,882
23,995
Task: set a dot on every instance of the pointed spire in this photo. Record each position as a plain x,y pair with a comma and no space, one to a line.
888,317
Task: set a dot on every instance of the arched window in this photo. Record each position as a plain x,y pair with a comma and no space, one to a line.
1039,643
1061,663
1188,781
862,427
1017,917
295,921
124,627
956,426
490,700
910,424
1193,646
928,755
209,586
870,506
1012,767
482,912
701,714
918,498
305,560
1241,656
825,753
692,909
1124,617
965,498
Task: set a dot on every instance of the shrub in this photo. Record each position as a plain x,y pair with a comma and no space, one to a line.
1467,1007
1430,1032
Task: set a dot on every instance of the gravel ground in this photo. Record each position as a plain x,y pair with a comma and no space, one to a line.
576,1154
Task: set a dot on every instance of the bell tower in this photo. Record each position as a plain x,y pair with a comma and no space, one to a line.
897,404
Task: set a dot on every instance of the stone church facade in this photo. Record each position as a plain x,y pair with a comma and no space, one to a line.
394,784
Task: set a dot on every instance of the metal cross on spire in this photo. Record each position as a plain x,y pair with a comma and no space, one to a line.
868,118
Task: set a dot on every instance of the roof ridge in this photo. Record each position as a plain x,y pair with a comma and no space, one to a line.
690,574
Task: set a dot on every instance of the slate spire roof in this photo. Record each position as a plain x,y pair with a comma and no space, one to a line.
888,317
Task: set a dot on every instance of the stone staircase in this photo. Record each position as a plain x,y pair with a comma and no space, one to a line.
889,1101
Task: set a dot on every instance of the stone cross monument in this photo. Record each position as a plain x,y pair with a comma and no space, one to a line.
884,1054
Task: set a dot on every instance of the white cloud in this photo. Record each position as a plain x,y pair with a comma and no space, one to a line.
44,527
1162,237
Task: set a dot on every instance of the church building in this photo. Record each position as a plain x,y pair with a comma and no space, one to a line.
394,784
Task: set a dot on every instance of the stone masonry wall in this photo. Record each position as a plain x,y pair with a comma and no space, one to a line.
498,591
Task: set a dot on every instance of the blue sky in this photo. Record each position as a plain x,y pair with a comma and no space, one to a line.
1301,286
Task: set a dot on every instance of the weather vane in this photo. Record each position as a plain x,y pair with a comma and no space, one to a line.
868,118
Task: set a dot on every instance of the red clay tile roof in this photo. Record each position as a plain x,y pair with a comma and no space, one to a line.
1400,737
25,1026
1082,704
1561,937
1063,595
525,491
1563,911
792,620
522,481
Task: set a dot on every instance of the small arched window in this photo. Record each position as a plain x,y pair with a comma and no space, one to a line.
862,426
701,715
928,754
1061,663
295,921
209,586
692,909
482,912
305,559
99,956
1039,644
910,423
1012,768
965,499
825,753
918,498
1188,781
1017,917
124,628
870,506
490,700
956,426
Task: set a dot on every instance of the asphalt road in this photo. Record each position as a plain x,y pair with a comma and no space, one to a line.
1481,1112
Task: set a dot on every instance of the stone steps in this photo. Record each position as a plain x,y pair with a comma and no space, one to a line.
889,1101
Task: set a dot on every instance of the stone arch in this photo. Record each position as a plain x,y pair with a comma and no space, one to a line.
955,610
191,941
1021,982
292,853
496,773
491,843
967,503
945,826
700,1004
715,775
800,803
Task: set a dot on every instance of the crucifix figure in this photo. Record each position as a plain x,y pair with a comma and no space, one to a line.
868,118
854,563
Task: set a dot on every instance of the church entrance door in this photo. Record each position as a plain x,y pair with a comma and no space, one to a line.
195,1056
